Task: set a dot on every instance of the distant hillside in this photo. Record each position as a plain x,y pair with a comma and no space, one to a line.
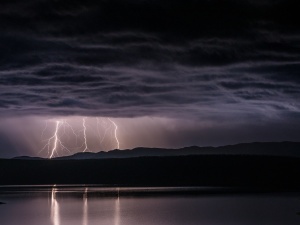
28,158
256,148
270,166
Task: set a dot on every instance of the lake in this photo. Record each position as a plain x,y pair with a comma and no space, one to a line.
81,205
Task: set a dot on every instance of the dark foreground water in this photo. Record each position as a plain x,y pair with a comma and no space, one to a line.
73,205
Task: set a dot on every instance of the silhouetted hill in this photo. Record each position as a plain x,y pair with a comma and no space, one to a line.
28,158
256,165
263,172
257,148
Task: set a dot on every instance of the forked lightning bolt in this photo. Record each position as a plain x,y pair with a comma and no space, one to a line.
116,128
55,140
106,126
64,131
84,135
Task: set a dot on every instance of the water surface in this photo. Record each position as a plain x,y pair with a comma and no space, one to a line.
79,205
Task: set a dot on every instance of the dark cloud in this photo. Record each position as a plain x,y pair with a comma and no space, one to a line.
209,59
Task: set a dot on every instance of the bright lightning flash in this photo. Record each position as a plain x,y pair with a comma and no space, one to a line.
84,135
116,128
55,140
104,125
64,131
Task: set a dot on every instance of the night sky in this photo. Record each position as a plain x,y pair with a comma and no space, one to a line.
168,73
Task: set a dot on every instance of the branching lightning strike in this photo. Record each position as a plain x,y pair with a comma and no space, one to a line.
63,132
55,142
84,135
106,126
55,139
116,137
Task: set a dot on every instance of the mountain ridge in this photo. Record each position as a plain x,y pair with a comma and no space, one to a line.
284,148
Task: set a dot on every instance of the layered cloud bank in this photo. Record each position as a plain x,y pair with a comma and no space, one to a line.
207,61
136,58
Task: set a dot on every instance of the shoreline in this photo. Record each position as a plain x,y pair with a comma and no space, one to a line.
111,191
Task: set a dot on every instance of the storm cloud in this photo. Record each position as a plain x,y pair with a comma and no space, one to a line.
137,58
207,61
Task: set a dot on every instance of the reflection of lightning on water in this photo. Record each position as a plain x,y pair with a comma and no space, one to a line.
85,208
117,211
54,207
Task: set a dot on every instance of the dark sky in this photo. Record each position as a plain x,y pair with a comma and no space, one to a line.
215,72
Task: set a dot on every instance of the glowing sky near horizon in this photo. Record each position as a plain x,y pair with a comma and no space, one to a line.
30,135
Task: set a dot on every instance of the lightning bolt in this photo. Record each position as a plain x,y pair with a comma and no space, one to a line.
54,207
55,141
63,133
115,132
84,135
67,125
106,125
